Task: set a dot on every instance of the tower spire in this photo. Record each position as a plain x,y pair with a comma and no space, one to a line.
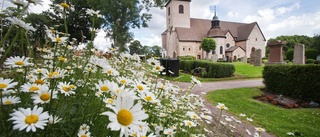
215,10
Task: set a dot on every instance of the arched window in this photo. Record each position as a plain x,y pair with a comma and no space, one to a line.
221,50
228,45
181,9
169,11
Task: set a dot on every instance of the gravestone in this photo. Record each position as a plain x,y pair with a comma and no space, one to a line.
318,58
299,54
214,58
245,59
170,64
275,56
252,56
258,58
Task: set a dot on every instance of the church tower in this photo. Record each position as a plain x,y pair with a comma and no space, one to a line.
178,14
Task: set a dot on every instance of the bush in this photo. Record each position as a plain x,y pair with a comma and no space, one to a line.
213,70
188,57
311,53
310,61
297,81
289,54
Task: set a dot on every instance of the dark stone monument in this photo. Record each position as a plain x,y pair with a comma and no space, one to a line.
275,56
170,64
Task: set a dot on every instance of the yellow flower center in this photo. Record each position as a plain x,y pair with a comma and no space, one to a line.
39,70
2,85
123,81
109,71
72,86
118,91
45,97
31,119
20,63
140,87
148,98
158,67
65,5
104,88
189,123
118,63
58,39
124,117
170,133
110,101
33,88
7,102
62,59
221,107
66,88
39,81
53,74
84,135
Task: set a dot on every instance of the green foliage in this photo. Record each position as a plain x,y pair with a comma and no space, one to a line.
214,70
311,53
316,42
289,54
208,44
135,48
277,121
310,61
297,81
188,57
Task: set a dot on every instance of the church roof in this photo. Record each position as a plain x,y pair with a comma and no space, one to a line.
216,33
233,48
199,29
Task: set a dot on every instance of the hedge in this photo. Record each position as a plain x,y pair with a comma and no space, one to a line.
297,81
214,70
187,57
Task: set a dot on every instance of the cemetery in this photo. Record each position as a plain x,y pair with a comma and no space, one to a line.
212,78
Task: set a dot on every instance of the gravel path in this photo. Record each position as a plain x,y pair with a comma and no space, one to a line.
211,86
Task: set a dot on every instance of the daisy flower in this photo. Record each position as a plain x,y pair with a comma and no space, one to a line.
105,86
17,61
10,100
126,117
58,73
221,106
193,115
83,133
28,87
124,81
66,88
158,68
149,97
169,131
189,123
195,81
19,2
7,84
139,86
54,119
29,119
152,61
259,129
110,71
43,96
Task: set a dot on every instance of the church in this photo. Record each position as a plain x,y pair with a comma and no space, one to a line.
183,35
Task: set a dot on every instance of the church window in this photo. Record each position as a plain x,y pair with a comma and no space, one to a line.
256,39
189,49
221,50
169,11
181,9
183,49
228,45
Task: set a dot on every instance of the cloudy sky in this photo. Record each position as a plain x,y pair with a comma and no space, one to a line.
275,17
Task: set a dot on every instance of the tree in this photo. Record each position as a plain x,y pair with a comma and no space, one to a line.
156,51
316,42
289,54
135,47
207,45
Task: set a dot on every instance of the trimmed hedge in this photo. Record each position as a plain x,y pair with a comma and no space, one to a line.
297,81
187,57
214,70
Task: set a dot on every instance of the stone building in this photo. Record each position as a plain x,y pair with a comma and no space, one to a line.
183,35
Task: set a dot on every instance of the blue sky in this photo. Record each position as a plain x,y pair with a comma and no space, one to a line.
275,17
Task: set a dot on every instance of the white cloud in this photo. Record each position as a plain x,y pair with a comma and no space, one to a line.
284,10
101,42
233,14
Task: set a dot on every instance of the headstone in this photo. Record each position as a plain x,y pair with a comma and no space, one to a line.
258,58
299,54
214,58
244,60
252,56
171,65
318,57
275,56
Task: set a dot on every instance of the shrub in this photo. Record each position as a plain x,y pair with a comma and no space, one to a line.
297,81
213,70
289,54
310,61
311,53
188,57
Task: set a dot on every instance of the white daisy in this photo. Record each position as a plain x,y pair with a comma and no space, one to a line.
10,100
149,97
221,106
259,129
193,115
7,84
83,133
66,88
195,81
124,81
105,86
169,131
139,86
126,117
28,87
84,127
17,61
158,68
29,119
54,119
43,96
189,123
110,71
58,73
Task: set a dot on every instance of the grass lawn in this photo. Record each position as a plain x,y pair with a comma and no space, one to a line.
275,120
243,71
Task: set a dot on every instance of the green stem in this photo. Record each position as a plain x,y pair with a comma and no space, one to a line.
65,21
9,48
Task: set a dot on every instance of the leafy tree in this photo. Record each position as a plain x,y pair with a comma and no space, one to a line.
289,54
207,45
135,47
316,42
156,51
146,50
